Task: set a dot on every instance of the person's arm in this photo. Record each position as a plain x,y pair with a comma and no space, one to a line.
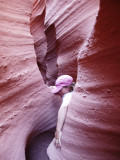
61,118
60,121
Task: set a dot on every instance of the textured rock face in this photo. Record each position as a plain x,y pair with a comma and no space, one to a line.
69,19
58,47
92,128
58,33
46,46
24,110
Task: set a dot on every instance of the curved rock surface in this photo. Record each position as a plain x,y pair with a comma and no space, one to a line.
26,105
69,19
92,126
80,38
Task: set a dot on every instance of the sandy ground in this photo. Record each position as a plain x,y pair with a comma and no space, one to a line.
36,149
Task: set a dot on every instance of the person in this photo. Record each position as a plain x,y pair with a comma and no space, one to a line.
63,86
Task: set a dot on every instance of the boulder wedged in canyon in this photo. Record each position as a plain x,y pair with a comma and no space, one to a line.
26,105
92,125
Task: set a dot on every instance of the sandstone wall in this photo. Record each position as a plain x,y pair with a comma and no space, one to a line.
80,38
69,19
24,111
92,126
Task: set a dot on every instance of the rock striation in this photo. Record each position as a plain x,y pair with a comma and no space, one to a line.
92,128
41,40
26,105
69,19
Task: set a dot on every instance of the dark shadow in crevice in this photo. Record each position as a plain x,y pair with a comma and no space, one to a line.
51,55
40,46
46,47
36,149
42,68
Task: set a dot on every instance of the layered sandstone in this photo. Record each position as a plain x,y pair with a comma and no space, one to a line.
41,40
24,111
69,19
92,128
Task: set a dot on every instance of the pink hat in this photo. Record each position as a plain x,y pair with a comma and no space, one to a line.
64,80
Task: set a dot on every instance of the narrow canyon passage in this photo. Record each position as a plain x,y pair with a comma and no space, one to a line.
41,40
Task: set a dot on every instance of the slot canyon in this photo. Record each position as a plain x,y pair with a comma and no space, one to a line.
41,40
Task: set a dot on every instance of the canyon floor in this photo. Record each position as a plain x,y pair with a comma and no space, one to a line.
36,149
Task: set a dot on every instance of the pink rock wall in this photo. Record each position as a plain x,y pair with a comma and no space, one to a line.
69,19
92,125
45,43
59,34
24,111
58,46
37,30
